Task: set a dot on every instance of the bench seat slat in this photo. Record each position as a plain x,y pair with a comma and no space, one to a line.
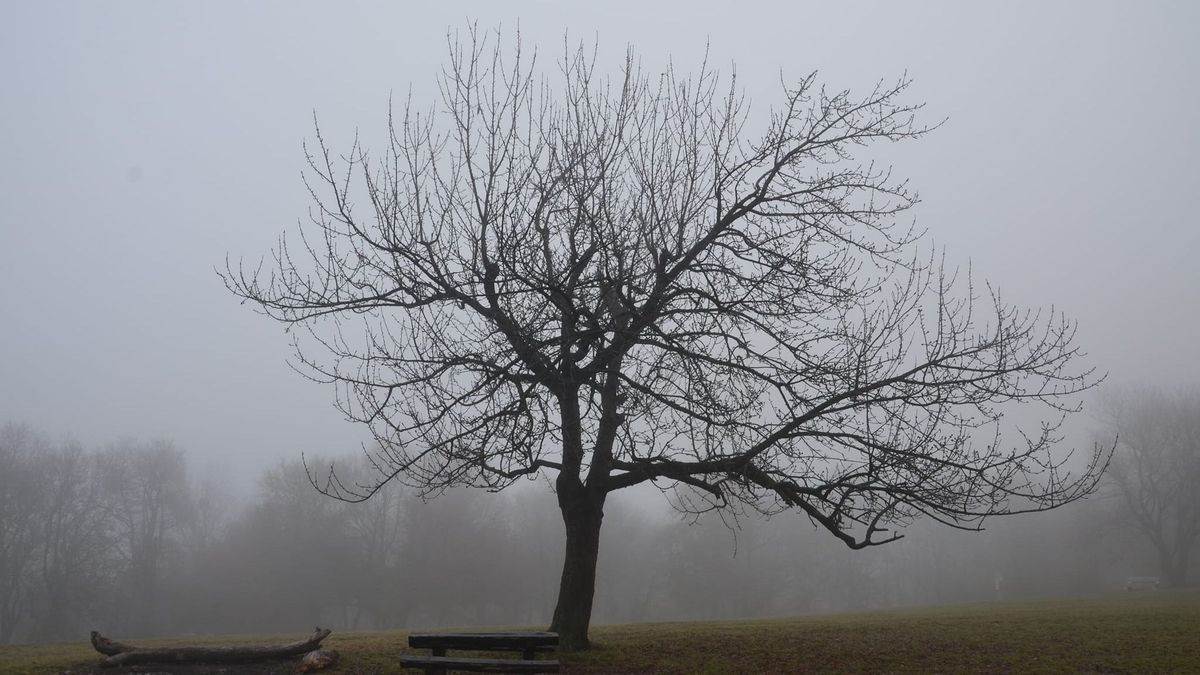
482,641
479,665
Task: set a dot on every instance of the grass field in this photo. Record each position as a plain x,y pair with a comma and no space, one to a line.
1154,632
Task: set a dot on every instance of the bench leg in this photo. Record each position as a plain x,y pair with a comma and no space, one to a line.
434,670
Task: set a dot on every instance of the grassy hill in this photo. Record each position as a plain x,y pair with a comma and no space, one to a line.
1152,632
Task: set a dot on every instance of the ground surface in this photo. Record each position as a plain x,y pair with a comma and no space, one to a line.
1152,632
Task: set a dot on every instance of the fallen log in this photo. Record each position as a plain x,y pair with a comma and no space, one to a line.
108,647
120,654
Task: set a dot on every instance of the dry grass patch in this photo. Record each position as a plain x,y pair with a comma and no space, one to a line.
1127,633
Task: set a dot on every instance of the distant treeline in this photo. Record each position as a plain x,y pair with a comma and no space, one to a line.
124,540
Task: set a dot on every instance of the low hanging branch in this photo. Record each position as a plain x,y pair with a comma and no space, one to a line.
120,654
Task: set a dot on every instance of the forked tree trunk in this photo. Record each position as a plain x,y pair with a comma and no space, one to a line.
582,514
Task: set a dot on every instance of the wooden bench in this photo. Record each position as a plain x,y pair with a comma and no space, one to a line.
1141,584
529,644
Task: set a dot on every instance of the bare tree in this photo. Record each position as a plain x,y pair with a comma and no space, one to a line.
611,281
75,545
377,538
146,502
53,540
1156,470
21,503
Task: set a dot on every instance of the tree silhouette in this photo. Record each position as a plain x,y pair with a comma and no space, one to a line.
1156,470
611,281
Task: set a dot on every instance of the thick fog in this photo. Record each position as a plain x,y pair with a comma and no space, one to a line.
142,544
144,144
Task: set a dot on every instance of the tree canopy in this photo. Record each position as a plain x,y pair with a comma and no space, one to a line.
612,281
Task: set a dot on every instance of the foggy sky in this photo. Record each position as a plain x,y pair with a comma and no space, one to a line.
140,143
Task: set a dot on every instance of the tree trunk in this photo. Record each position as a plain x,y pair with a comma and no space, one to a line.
1174,567
582,514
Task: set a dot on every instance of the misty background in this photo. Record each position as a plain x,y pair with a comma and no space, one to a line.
143,143
130,539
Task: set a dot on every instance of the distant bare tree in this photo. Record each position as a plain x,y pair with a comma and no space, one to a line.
53,538
75,546
1156,470
146,503
377,532
611,281
21,502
